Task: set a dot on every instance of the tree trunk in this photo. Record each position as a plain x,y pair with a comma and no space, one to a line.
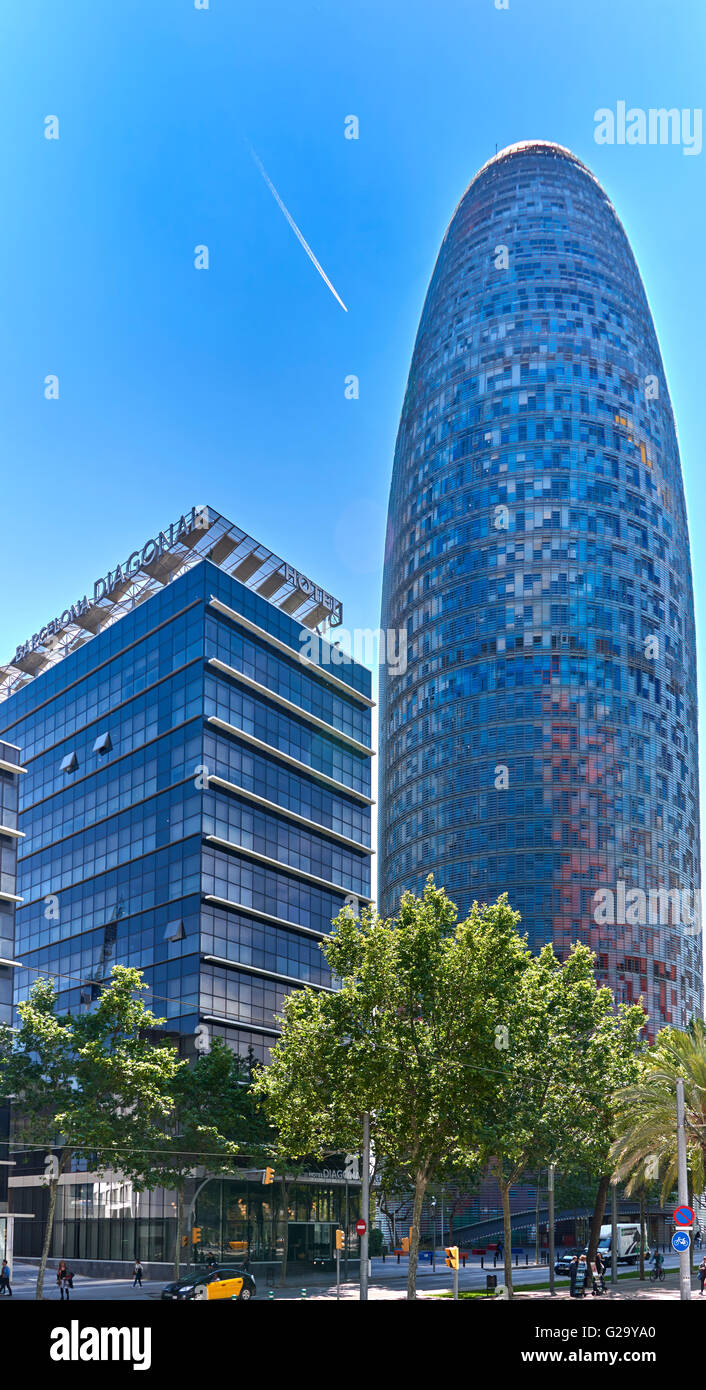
179,1230
285,1232
507,1234
597,1218
642,1232
420,1187
53,1190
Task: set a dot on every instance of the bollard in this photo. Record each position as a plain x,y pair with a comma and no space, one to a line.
526,1259
482,1261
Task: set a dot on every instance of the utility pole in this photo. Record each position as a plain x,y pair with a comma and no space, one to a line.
550,1214
340,1243
365,1208
614,1232
683,1193
451,1253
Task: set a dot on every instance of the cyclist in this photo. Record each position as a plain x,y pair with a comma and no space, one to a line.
658,1259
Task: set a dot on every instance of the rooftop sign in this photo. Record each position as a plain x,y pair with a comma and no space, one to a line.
118,579
200,534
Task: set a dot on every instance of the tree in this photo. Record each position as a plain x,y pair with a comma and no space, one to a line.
92,1084
410,1038
211,1120
646,1117
561,1037
622,1065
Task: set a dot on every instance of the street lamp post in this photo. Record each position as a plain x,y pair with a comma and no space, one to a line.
433,1235
365,1208
550,1216
614,1232
190,1220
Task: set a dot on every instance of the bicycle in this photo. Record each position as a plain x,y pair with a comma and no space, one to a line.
656,1274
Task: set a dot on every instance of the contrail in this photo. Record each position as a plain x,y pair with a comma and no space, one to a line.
295,228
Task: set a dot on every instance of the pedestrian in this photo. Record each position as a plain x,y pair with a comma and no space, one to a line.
702,1276
499,1250
599,1275
5,1278
584,1275
63,1279
573,1276
137,1272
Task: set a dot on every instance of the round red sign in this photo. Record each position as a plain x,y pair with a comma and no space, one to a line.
361,1226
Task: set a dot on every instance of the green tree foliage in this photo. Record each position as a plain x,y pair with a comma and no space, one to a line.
562,1039
646,1142
410,1038
210,1121
92,1085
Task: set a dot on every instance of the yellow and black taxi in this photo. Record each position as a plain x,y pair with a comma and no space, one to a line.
233,1281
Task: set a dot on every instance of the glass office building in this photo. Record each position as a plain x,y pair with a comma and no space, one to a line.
11,771
543,740
197,795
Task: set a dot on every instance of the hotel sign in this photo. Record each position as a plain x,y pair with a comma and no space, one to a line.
104,587
312,590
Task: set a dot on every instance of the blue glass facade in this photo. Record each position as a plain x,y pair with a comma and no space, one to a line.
196,803
543,739
11,772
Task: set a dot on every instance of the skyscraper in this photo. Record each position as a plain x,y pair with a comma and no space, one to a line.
196,803
543,739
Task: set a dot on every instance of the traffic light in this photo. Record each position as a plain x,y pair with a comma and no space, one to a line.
268,1176
340,1239
452,1256
195,1235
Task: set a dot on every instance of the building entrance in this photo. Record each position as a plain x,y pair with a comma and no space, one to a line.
311,1244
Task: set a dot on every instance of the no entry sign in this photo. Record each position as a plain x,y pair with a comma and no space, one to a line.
361,1226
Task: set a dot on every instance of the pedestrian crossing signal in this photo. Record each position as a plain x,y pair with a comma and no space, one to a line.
452,1256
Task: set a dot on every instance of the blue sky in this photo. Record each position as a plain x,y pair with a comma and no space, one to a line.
227,385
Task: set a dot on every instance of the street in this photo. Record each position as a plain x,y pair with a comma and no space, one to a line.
388,1281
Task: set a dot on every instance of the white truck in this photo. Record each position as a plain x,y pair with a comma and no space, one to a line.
628,1242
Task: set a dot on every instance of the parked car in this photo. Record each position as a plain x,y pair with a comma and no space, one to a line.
562,1262
221,1282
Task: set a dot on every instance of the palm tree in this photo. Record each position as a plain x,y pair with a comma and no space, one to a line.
646,1112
